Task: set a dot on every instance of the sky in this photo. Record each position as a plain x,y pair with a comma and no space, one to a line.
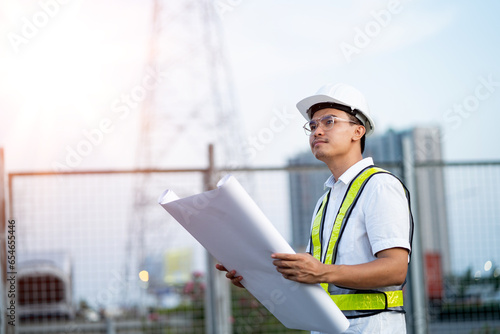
66,64
428,59
419,63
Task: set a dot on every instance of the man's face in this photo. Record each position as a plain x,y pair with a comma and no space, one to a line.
332,143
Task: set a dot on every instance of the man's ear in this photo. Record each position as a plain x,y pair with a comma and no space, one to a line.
359,132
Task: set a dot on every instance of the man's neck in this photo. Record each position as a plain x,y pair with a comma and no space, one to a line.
339,166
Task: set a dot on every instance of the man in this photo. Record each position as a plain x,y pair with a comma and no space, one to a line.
361,227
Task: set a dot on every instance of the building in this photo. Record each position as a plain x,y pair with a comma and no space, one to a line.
305,189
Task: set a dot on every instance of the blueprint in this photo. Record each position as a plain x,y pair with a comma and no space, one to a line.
230,225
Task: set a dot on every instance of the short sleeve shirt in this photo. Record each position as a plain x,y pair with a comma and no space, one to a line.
380,220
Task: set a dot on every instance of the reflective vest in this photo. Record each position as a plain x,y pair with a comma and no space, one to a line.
364,302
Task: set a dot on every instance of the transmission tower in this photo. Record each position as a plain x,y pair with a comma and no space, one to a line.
191,106
193,103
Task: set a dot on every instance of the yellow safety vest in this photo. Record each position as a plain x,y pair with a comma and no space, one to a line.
354,300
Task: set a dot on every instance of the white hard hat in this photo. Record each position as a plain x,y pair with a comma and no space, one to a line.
340,94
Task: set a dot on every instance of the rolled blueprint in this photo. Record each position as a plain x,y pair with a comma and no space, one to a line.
230,225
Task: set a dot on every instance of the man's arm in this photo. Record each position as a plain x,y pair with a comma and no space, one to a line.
388,269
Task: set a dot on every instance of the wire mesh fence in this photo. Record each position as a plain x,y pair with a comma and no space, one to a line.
466,294
97,254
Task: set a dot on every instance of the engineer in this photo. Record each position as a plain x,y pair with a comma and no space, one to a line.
361,230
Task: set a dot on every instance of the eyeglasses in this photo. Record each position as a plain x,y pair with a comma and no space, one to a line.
326,122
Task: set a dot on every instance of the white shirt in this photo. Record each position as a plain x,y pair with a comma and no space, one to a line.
379,221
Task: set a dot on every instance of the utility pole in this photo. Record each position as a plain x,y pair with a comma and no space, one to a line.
3,247
218,293
417,287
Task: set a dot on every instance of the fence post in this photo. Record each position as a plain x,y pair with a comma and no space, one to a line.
217,293
110,325
417,286
3,247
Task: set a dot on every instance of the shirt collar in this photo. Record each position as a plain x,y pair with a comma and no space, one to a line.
351,173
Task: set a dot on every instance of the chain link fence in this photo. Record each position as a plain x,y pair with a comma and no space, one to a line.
95,253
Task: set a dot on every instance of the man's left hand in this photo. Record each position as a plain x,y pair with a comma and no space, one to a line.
303,267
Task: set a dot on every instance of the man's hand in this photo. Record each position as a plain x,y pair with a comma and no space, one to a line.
236,280
303,267
389,268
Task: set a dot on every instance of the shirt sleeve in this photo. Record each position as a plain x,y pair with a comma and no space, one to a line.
387,214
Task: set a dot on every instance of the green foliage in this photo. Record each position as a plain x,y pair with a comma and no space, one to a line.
250,316
470,299
487,330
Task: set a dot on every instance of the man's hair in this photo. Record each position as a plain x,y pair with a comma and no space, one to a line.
358,122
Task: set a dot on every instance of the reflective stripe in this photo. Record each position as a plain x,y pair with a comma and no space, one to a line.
351,194
377,300
368,301
315,233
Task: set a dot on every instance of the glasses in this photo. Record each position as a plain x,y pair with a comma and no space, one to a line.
326,122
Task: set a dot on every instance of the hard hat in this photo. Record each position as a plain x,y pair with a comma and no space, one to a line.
342,94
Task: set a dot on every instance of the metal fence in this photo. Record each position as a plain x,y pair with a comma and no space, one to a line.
95,253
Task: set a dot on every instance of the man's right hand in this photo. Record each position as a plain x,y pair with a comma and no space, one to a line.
236,280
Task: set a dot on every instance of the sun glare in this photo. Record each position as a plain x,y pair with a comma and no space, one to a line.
67,60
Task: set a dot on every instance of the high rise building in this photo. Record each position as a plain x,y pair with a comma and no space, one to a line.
305,189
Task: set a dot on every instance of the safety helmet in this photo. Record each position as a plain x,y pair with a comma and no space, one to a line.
342,94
